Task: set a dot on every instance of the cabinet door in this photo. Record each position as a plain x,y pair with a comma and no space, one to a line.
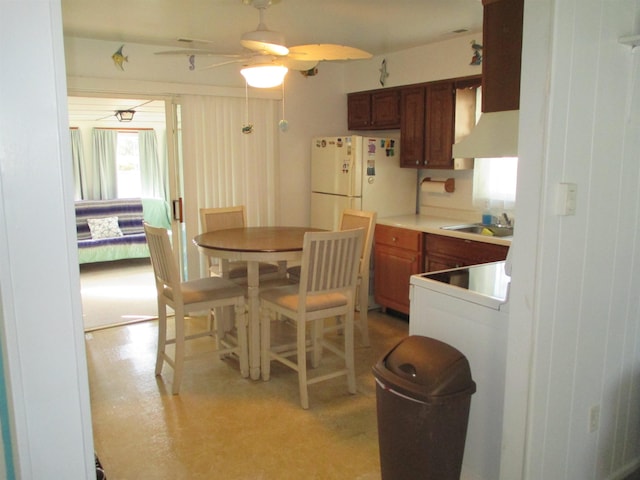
359,111
444,252
392,272
435,263
439,126
397,256
412,129
385,109
502,54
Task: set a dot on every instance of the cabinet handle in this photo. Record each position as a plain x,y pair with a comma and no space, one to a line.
394,239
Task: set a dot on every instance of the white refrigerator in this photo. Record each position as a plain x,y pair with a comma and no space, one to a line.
362,173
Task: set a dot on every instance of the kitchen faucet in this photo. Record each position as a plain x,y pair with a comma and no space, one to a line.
507,220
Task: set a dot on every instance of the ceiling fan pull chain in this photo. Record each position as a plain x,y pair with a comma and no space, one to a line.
283,124
247,127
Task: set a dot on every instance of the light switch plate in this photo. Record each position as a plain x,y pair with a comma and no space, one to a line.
566,199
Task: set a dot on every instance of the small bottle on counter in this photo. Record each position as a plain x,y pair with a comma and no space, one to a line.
487,215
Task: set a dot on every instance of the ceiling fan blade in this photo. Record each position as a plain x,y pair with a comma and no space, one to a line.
264,47
299,65
197,52
327,52
220,64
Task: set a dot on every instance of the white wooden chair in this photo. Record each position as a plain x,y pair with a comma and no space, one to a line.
327,288
351,219
212,219
205,294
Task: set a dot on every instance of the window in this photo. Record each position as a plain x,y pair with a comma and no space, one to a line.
494,183
128,165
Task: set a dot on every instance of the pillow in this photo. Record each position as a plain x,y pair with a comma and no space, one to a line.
106,227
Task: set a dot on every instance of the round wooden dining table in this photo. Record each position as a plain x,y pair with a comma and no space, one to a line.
254,245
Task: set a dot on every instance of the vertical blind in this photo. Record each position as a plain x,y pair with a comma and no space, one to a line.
224,167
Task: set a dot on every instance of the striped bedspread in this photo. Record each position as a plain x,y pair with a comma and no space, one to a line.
129,213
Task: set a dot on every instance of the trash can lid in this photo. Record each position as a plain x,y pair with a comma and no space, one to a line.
425,367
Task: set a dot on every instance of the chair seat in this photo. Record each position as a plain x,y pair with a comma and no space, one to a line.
206,289
288,297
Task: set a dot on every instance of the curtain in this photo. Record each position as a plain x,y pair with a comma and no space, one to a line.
104,160
79,170
153,172
224,167
494,183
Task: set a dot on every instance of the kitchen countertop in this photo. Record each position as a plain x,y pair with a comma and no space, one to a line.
486,284
432,224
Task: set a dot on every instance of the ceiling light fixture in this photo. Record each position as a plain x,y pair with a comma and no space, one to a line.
125,115
264,76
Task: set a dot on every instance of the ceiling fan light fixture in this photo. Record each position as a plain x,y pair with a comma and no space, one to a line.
264,76
125,115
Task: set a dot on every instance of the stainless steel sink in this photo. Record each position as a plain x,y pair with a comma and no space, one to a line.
493,230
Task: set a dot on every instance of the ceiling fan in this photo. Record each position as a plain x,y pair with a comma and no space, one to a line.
264,47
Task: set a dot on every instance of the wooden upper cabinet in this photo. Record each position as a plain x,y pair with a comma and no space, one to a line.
502,54
440,125
359,110
374,110
385,109
412,127
429,124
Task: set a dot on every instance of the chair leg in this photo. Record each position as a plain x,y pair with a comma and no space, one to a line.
316,342
162,336
348,352
211,324
178,360
363,320
265,343
302,362
217,328
243,344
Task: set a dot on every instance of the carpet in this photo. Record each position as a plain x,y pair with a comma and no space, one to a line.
116,293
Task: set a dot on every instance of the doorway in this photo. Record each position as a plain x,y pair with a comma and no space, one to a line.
161,115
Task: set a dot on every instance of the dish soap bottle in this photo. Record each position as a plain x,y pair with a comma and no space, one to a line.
487,216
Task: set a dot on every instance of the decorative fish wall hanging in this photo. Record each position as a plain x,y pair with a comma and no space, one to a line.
477,55
119,58
383,72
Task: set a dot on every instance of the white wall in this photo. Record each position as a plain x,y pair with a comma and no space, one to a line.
437,61
41,321
576,278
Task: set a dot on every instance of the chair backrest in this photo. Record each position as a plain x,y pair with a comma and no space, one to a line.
212,219
165,269
351,219
330,262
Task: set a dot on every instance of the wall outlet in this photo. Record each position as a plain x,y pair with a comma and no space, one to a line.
594,418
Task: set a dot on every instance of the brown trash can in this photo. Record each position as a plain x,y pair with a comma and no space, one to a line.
423,394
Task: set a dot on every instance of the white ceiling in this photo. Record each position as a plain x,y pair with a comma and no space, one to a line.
377,26
149,113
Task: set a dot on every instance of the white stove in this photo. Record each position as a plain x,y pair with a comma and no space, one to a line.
467,308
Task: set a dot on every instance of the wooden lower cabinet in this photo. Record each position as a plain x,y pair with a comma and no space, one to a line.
398,254
444,252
